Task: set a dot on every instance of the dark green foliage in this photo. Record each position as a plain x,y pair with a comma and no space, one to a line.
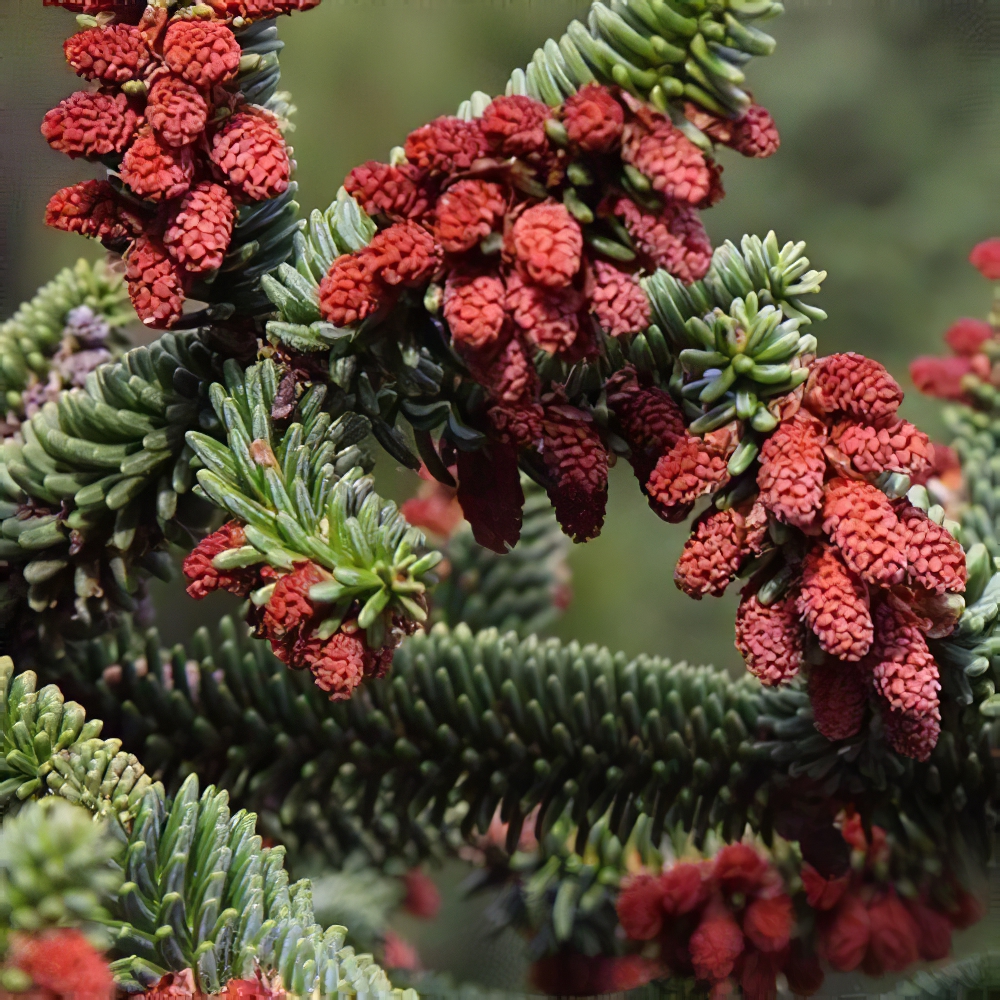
198,890
48,745
464,723
974,978
202,893
564,898
262,731
522,591
923,806
98,481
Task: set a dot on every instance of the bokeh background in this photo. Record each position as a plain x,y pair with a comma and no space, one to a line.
890,121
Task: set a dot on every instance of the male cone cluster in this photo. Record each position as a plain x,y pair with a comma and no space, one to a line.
185,150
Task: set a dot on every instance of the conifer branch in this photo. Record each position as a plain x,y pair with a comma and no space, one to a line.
199,891
96,483
656,52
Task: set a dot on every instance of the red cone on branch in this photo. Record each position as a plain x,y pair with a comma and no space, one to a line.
155,170
985,258
155,284
838,694
576,459
489,490
594,120
351,290
446,145
966,336
474,308
674,165
895,447
176,111
860,520
833,602
649,419
407,254
290,608
617,300
692,468
113,54
515,126
716,944
467,213
675,239
547,243
935,560
941,377
902,665
792,468
549,317
844,938
199,233
755,134
337,664
90,208
202,52
62,963
205,577
91,125
382,189
912,735
640,907
769,637
250,152
853,384
712,555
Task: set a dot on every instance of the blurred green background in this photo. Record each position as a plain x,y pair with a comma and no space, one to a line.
890,123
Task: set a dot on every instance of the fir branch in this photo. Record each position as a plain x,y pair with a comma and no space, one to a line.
49,746
464,724
98,480
969,977
303,498
664,53
199,891
202,893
